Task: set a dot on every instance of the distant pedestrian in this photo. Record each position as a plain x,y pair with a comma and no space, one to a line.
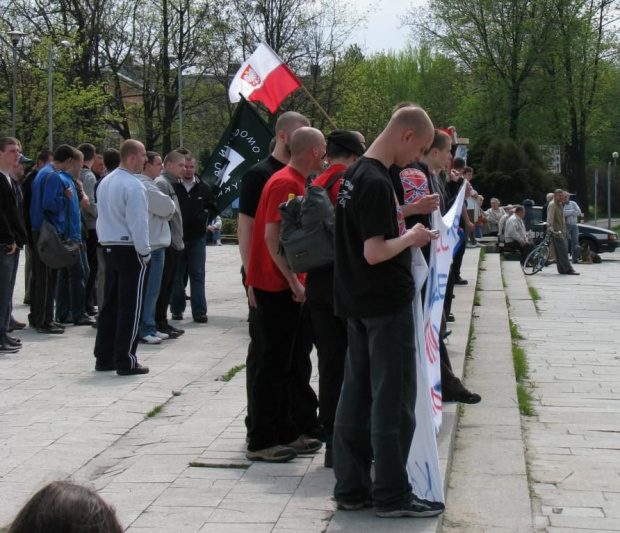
123,230
557,225
572,214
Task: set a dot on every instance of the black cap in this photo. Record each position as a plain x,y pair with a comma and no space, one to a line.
346,140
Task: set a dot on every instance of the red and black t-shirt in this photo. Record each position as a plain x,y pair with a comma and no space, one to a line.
263,273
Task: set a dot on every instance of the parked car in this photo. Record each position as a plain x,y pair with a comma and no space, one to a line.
598,240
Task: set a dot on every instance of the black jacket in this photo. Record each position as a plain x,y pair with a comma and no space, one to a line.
12,230
197,209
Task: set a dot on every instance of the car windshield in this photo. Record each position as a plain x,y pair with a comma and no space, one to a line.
533,217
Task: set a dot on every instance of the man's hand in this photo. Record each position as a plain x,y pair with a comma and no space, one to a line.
69,194
12,249
251,297
470,226
427,204
420,236
454,175
85,202
299,291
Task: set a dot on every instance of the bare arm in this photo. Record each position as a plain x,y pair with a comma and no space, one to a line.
245,227
272,238
378,249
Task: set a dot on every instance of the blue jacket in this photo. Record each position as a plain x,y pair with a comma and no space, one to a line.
48,199
74,226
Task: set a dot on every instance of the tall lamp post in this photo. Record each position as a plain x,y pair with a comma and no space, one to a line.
615,156
15,36
50,88
180,82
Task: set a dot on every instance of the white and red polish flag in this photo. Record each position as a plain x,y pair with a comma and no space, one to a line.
263,78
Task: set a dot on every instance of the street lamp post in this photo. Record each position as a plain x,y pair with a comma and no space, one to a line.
615,156
15,36
180,82
50,91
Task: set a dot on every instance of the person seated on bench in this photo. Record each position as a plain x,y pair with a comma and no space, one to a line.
515,235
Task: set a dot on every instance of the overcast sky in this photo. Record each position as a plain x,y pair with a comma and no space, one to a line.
382,30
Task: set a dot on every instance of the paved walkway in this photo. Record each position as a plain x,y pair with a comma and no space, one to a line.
573,347
184,468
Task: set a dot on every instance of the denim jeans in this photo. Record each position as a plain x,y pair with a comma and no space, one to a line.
192,258
376,411
70,289
8,270
151,292
572,231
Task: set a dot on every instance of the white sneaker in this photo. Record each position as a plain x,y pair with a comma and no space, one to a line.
219,243
151,339
162,336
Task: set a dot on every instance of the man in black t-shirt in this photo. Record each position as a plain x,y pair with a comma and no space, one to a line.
374,291
252,185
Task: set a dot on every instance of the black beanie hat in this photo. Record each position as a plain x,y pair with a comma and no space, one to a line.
346,140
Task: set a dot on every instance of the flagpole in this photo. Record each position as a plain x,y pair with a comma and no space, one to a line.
319,106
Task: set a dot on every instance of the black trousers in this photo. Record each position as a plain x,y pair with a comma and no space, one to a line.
93,264
330,338
119,316
167,283
458,260
42,288
282,403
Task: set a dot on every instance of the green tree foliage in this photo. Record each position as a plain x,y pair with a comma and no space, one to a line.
510,171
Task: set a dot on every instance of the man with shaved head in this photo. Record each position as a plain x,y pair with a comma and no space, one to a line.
123,231
374,292
252,185
278,295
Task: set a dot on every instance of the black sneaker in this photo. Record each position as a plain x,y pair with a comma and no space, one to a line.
13,341
461,281
354,506
50,330
104,367
138,369
5,347
177,316
16,325
416,508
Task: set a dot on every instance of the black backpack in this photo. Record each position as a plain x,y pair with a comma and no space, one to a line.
307,234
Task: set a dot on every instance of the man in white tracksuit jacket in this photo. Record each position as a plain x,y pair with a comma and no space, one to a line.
123,231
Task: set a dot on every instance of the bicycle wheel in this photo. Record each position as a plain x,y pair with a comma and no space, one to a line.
536,260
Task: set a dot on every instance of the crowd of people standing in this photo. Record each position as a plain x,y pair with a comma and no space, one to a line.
139,225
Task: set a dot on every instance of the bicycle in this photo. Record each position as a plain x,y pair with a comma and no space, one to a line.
537,259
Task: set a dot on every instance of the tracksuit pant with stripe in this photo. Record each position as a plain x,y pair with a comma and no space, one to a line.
119,317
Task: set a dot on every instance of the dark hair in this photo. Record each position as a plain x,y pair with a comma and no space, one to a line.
111,159
44,155
7,141
150,157
88,150
64,507
441,140
468,170
174,157
459,163
184,151
519,209
63,153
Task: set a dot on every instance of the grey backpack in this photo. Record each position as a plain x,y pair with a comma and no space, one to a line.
307,234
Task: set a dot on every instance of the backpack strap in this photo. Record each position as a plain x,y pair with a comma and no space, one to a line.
334,179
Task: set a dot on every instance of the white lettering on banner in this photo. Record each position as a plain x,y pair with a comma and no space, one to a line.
423,462
234,160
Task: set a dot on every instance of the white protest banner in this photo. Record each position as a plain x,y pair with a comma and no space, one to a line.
437,282
423,462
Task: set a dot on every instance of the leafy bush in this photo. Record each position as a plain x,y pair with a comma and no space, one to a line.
229,226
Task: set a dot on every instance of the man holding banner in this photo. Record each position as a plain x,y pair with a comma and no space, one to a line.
374,290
